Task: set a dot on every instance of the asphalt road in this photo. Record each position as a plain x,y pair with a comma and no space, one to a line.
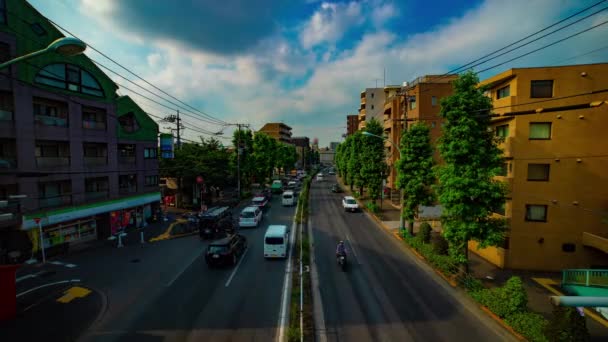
386,294
166,292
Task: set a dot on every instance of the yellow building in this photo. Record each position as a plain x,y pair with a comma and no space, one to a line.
394,113
362,111
278,131
553,121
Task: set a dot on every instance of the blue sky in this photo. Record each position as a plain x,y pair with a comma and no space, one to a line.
304,62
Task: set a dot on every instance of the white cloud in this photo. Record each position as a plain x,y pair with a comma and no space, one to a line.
330,22
383,12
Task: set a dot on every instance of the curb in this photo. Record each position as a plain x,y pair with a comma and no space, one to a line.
502,323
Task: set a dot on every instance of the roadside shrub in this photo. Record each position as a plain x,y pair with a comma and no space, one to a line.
440,245
425,232
567,325
531,325
506,300
373,207
471,284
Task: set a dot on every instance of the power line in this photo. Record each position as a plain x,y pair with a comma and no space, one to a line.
581,55
136,75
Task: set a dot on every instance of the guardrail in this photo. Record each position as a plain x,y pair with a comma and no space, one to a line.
585,277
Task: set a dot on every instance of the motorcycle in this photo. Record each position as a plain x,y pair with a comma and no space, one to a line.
341,259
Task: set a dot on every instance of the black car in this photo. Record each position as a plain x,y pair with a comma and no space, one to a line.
336,188
215,222
226,251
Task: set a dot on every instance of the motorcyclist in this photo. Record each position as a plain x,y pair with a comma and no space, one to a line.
340,249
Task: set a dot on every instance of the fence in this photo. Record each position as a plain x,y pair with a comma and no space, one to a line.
585,277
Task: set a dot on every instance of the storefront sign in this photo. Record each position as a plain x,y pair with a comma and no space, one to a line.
61,215
166,146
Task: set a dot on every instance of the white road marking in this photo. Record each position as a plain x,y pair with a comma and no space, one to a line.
236,268
46,285
56,263
286,287
70,265
25,277
318,313
352,247
186,266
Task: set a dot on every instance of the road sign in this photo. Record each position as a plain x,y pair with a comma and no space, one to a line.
199,179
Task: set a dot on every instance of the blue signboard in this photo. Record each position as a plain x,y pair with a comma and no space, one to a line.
166,146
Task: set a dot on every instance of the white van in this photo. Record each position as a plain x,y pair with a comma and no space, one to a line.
320,177
276,242
288,198
250,217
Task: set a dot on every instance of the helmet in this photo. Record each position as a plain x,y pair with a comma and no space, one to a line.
341,242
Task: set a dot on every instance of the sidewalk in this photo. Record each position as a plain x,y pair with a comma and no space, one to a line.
492,276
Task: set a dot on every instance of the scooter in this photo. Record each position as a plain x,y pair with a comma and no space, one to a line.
342,262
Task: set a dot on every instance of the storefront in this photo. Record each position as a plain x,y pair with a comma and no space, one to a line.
76,231
130,218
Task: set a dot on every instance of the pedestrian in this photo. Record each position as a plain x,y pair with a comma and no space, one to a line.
218,192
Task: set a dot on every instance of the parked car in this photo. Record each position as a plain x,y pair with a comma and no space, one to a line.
332,172
216,222
350,204
226,251
260,202
320,177
336,188
250,217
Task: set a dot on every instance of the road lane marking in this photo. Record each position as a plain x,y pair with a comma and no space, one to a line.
73,293
186,266
236,268
46,285
286,286
25,277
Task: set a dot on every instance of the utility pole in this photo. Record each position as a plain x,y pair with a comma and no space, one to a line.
178,123
238,161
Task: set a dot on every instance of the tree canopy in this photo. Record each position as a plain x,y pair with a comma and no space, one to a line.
373,161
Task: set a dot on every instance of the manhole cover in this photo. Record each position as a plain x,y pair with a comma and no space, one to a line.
135,261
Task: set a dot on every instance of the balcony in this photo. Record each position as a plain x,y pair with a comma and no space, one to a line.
56,201
96,195
505,146
8,163
130,189
52,161
98,125
10,214
388,124
126,160
508,183
595,241
363,101
362,125
51,121
95,161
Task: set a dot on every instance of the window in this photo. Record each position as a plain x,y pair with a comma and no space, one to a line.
538,172
2,11
372,106
413,102
150,153
503,92
536,213
97,184
128,122
569,248
69,77
50,113
38,29
540,89
54,194
372,95
502,131
433,101
433,124
540,130
126,150
127,183
6,106
93,118
52,149
151,180
94,150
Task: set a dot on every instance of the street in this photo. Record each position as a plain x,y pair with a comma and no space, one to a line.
386,294
165,291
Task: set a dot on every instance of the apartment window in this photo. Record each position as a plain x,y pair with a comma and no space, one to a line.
538,172
97,184
50,113
569,248
69,77
6,106
95,150
93,118
503,92
151,180
536,213
372,95
502,131
372,107
52,149
541,88
150,153
433,124
8,154
38,29
54,194
2,11
127,183
413,102
126,150
128,122
540,130
433,101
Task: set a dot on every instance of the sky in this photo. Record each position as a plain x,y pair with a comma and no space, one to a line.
305,62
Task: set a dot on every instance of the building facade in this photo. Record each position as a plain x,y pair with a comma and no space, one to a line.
371,105
393,122
553,129
333,145
352,124
278,131
302,145
62,142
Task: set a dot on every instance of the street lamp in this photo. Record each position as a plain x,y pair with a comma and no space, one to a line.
401,222
66,46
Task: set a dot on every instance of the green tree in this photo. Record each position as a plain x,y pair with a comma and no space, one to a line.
245,138
264,155
415,171
567,324
286,157
355,161
467,188
342,158
373,166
